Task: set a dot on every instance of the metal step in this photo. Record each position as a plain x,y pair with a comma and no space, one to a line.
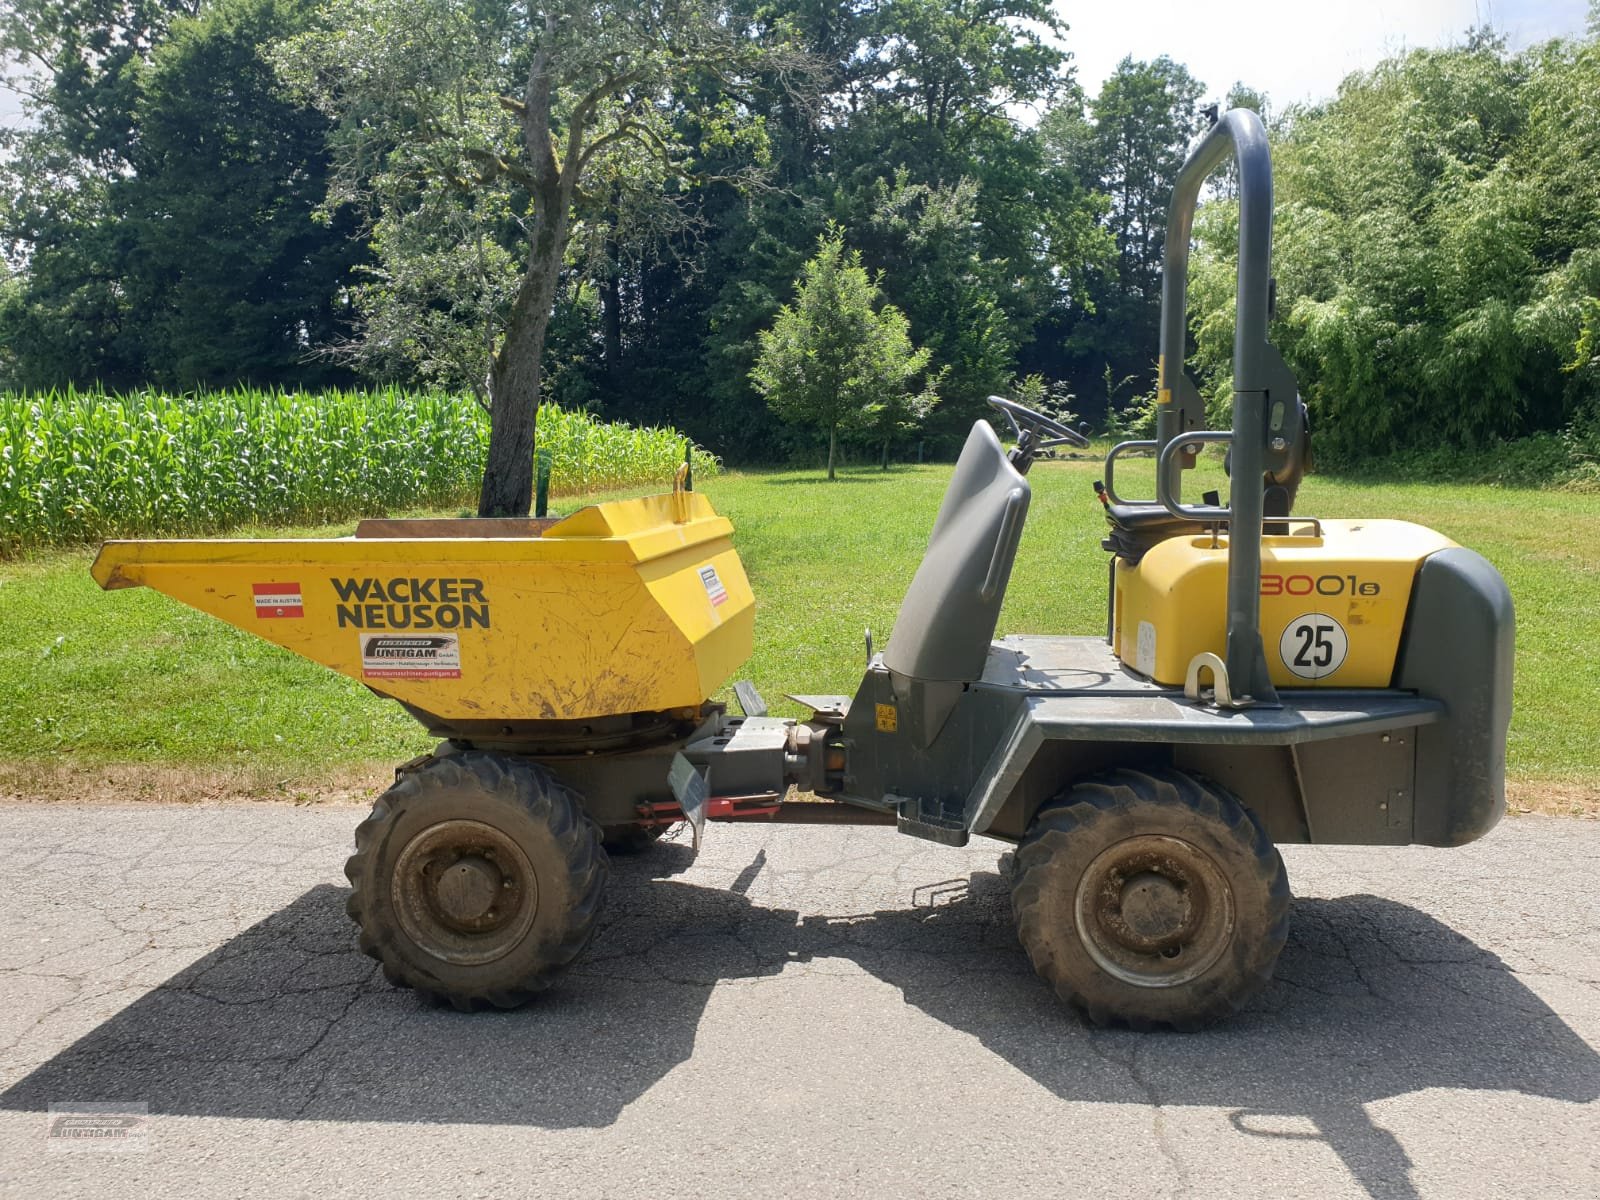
930,823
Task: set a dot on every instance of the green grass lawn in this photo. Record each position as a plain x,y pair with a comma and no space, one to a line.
89,678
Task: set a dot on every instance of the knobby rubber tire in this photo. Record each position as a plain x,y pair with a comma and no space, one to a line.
545,820
1070,832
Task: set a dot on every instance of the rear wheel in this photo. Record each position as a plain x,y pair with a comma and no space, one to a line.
1152,898
477,880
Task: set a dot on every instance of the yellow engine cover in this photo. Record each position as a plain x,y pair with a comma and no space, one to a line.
1332,607
633,606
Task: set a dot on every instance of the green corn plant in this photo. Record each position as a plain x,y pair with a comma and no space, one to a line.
78,466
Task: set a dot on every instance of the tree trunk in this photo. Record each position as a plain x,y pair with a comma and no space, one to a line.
516,373
514,384
611,317
833,446
884,465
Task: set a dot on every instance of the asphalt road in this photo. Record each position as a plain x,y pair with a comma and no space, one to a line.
812,1012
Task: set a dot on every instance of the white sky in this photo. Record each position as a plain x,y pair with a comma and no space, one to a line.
1294,50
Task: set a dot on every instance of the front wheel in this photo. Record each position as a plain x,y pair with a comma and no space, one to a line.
1151,898
477,880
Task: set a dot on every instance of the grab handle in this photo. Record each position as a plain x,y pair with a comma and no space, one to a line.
1165,474
1005,544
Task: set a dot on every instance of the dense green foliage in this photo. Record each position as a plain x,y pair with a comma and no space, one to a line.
78,466
840,358
1128,146
479,135
1438,254
274,193
160,213
895,118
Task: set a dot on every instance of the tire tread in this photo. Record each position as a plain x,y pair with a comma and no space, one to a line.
1073,813
542,799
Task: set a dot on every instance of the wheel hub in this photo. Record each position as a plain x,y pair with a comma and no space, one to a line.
468,888
464,892
1154,911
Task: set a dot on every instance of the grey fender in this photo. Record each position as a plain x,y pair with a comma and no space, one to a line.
1458,649
1051,740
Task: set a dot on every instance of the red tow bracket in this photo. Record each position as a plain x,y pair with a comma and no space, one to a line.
718,808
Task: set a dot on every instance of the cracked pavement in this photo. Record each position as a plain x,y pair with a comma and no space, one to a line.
803,1010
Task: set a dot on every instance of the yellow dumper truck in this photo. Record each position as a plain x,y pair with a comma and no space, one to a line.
1264,677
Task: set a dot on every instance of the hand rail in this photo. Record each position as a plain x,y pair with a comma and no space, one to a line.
1164,460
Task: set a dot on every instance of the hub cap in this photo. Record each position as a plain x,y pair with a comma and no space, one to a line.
1154,911
465,892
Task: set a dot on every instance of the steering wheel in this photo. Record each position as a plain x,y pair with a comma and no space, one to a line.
1026,420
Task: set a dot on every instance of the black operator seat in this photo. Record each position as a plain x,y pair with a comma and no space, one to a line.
1136,528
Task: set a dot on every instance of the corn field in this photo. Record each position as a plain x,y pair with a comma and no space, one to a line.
80,466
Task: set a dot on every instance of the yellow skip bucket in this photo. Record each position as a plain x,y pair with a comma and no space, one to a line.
626,607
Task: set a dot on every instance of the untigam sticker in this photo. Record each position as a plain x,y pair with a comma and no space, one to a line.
397,656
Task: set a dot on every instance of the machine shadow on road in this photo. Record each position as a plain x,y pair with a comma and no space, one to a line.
1372,999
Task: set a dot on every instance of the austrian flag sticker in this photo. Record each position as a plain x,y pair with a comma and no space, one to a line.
278,600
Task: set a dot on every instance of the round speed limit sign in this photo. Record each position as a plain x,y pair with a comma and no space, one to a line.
1314,646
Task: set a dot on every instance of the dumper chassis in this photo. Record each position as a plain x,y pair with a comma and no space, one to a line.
1264,678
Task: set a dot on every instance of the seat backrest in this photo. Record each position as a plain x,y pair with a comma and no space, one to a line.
948,617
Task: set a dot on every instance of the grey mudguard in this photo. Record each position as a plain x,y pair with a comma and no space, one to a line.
1458,647
1072,690
948,618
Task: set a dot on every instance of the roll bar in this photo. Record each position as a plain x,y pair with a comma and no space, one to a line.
1237,135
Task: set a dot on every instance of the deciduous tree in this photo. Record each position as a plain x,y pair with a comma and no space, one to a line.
159,205
1124,151
504,117
837,360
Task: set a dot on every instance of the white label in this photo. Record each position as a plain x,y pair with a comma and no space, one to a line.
713,585
1314,646
278,600
410,656
1144,659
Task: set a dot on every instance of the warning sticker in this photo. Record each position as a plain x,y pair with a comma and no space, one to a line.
1144,653
278,600
714,588
391,656
888,718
